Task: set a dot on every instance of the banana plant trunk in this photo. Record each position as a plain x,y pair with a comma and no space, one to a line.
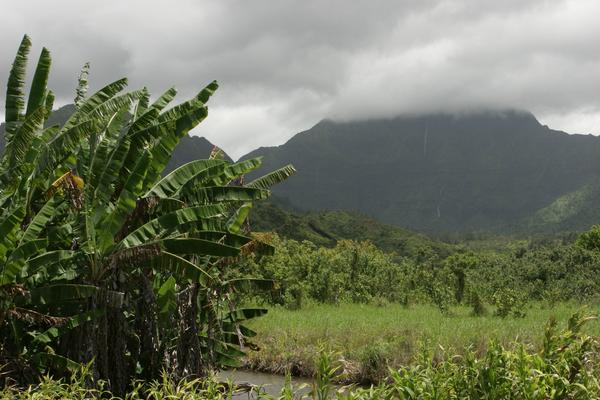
189,360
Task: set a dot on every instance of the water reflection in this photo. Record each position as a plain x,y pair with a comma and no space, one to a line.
269,383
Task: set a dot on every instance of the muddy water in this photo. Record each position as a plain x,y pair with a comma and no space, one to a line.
269,383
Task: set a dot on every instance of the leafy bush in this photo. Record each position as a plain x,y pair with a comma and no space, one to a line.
373,360
590,240
509,302
361,273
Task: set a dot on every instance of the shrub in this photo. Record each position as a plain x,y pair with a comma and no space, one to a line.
509,302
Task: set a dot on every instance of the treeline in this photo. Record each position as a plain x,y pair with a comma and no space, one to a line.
499,282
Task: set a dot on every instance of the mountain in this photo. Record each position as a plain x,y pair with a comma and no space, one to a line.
190,148
436,173
325,228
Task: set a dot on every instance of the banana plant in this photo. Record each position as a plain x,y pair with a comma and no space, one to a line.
30,301
89,221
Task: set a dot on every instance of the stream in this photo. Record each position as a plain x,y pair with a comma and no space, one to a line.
270,383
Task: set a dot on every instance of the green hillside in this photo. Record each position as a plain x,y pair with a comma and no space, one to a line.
325,228
574,211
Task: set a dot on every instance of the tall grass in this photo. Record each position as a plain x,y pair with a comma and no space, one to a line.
371,338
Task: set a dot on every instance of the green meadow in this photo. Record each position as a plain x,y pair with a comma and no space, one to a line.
372,338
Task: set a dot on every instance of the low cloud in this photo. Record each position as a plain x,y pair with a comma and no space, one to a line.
283,65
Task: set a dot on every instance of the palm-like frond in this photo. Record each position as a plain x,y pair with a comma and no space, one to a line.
164,99
180,221
218,194
21,140
38,91
172,183
88,105
273,178
16,81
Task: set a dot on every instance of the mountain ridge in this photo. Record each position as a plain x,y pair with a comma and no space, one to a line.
436,173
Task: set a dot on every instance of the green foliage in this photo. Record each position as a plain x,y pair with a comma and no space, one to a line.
442,298
326,228
560,372
509,302
108,261
359,272
541,269
573,211
392,335
590,240
460,264
374,361
477,303
351,271
326,370
97,248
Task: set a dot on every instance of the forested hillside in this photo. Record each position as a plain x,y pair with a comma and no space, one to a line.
574,211
327,228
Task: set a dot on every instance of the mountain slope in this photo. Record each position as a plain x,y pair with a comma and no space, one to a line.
435,173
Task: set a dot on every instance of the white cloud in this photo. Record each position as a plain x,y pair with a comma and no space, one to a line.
285,64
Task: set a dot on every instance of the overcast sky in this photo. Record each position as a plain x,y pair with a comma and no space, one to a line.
284,65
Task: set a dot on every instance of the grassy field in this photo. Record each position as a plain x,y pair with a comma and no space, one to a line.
370,338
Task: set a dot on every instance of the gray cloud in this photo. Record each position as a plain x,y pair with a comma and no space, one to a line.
283,65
